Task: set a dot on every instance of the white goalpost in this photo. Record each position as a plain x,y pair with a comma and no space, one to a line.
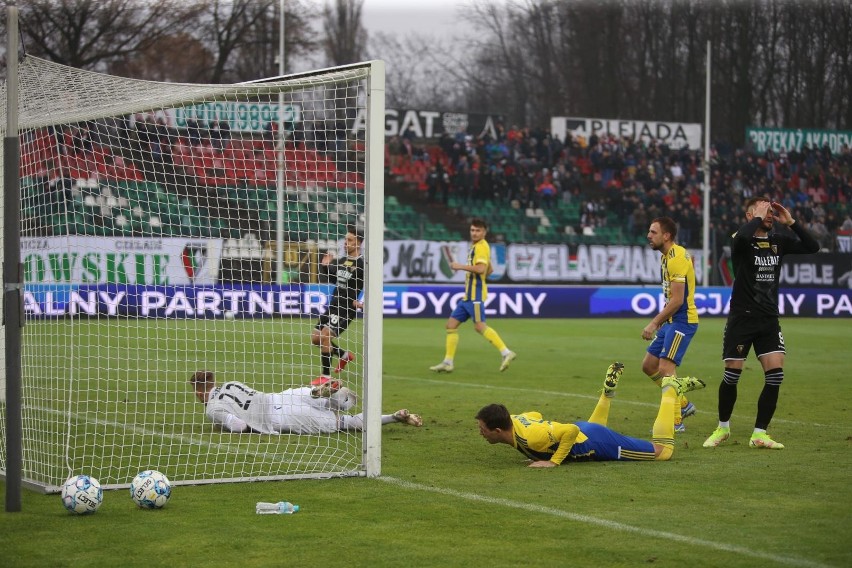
171,228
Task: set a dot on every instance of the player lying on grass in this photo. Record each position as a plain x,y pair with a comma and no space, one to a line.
548,443
236,407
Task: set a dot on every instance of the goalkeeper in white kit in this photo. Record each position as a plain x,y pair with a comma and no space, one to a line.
236,407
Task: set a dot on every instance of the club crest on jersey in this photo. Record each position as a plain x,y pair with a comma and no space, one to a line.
774,249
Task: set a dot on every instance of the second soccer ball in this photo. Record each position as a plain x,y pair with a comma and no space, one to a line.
150,489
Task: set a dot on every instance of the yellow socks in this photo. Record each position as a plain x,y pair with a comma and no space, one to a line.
601,413
494,339
658,378
663,432
452,344
678,416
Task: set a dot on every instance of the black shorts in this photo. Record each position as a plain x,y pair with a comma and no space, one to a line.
337,322
744,331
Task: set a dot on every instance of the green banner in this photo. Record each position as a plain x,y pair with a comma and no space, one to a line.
788,139
241,116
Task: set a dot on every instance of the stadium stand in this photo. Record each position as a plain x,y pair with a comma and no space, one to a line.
72,185
607,189
528,185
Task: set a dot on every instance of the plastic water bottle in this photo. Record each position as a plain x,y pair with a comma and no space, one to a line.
280,508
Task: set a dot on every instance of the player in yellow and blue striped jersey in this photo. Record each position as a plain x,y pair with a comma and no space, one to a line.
548,443
472,306
672,329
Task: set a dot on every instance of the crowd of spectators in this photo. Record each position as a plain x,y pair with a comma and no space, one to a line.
634,181
208,153
200,162
609,179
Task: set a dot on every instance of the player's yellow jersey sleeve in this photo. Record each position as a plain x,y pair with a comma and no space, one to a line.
476,289
543,440
567,435
677,267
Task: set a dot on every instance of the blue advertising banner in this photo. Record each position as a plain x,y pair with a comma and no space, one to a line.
177,302
415,300
603,301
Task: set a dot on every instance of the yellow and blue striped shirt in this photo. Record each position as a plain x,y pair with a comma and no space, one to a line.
546,440
475,287
676,266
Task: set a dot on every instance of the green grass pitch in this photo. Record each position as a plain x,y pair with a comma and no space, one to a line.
447,498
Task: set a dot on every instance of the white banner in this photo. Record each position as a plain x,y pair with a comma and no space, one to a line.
599,264
431,123
177,261
423,261
675,134
429,262
106,260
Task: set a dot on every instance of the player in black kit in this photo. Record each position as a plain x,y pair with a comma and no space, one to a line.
756,252
348,275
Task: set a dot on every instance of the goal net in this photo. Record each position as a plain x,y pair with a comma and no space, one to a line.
171,228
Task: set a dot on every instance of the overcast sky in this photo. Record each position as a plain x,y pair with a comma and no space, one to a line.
401,17
432,17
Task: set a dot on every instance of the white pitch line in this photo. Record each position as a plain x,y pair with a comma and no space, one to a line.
611,525
193,440
482,386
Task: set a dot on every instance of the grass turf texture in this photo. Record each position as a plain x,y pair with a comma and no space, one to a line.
448,498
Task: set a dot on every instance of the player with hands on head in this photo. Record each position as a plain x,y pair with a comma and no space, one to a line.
548,443
757,251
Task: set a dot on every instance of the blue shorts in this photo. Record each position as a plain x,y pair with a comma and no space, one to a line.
671,341
604,444
467,309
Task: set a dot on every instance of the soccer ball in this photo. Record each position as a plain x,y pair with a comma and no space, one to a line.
82,494
150,489
342,400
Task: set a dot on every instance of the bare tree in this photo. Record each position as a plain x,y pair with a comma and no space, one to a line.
345,37
177,58
775,62
240,39
841,67
207,41
257,56
90,34
494,73
416,74
228,24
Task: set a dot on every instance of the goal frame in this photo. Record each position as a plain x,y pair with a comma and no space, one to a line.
371,402
374,260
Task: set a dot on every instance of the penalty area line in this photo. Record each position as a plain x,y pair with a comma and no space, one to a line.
611,525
